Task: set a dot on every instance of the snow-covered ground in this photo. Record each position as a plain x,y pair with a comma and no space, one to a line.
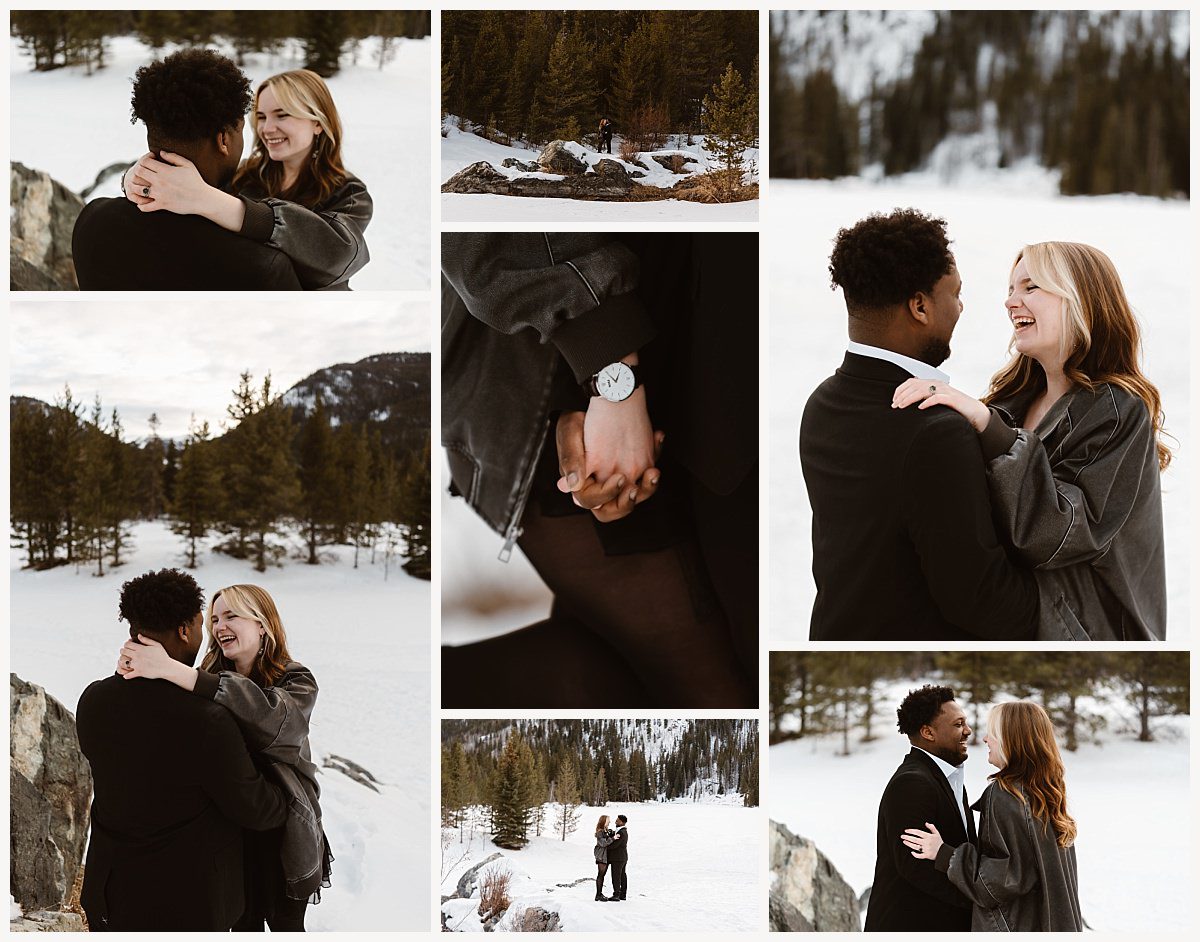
1143,886
692,867
385,119
990,217
461,149
366,641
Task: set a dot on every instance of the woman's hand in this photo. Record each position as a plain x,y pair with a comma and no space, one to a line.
133,183
173,183
931,392
145,659
924,844
608,497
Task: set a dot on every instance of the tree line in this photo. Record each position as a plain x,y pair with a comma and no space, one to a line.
519,773
277,474
538,75
1108,106
842,693
58,38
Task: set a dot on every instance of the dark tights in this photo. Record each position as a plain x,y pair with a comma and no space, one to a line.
601,870
637,630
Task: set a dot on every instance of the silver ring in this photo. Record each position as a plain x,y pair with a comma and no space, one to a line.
932,390
145,191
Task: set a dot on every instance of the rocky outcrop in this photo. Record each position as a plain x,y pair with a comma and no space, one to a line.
676,163
469,881
482,177
556,158
352,771
524,166
535,919
806,884
784,917
50,785
44,921
42,217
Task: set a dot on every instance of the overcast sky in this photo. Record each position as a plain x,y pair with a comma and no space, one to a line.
179,357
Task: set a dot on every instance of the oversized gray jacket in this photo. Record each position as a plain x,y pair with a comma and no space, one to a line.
1079,500
603,839
524,316
274,721
1018,879
326,243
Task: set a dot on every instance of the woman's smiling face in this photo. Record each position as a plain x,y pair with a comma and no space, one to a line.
238,637
283,135
1036,317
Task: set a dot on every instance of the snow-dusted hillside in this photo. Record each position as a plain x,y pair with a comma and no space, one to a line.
1134,851
366,641
988,222
692,867
385,118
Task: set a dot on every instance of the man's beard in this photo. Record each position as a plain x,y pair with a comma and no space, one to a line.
951,756
935,352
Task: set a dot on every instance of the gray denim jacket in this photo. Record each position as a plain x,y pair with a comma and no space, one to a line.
1079,500
524,315
1018,879
600,851
274,721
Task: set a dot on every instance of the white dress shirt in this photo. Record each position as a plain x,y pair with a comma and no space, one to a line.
916,367
956,776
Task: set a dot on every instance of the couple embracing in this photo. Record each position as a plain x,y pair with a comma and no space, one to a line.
934,869
612,850
205,814
1034,513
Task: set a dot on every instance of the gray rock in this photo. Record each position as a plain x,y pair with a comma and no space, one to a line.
112,170
536,919
555,158
784,917
352,771
479,177
526,166
42,215
610,168
482,177
468,883
47,921
669,162
806,880
50,784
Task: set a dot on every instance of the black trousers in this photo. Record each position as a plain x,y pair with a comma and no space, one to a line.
620,880
267,903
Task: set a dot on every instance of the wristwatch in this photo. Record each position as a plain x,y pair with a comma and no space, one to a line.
615,382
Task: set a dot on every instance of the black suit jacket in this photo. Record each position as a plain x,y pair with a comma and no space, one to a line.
118,247
907,894
904,544
618,851
174,787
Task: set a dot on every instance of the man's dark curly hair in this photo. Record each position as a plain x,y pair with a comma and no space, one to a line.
883,260
190,95
159,602
920,707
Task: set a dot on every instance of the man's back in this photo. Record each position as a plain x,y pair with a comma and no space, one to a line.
904,547
174,786
118,247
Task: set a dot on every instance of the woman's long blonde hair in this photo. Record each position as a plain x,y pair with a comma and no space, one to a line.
1033,768
302,94
250,601
602,824
1101,338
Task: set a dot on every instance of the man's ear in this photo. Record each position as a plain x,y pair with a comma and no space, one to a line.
926,732
918,307
224,139
183,632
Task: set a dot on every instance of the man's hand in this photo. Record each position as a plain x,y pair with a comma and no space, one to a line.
608,497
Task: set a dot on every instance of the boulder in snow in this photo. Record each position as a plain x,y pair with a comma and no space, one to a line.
41,220
47,921
525,166
676,163
468,883
556,158
808,882
784,917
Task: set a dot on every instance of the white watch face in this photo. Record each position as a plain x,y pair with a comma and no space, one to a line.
615,382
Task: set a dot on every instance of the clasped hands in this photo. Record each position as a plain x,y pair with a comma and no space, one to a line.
608,456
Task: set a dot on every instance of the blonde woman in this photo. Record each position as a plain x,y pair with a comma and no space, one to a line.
1022,877
1072,433
248,670
604,837
292,193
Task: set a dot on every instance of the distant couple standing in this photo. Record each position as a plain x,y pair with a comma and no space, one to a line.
197,217
1034,513
205,813
612,850
934,871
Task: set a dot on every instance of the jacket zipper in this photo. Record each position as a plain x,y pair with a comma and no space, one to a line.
514,530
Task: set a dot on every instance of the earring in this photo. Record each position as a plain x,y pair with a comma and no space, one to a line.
262,643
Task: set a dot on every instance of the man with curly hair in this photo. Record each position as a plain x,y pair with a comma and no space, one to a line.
174,783
194,104
909,895
904,547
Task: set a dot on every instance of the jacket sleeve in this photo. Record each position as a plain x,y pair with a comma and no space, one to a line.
910,802
1068,512
1010,870
326,246
275,719
583,304
229,777
603,839
948,514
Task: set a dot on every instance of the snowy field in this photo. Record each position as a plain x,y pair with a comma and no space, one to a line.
834,800
990,217
461,149
366,641
692,867
385,118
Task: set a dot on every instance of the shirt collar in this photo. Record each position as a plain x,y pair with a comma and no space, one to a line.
947,769
916,367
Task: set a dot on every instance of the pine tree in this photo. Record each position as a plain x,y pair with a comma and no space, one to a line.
566,97
600,791
512,789
197,490
567,793
324,35
731,128
317,473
